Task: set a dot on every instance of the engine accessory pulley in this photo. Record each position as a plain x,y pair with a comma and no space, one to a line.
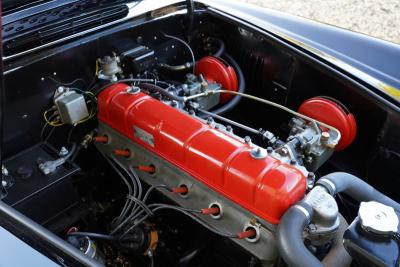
333,113
215,70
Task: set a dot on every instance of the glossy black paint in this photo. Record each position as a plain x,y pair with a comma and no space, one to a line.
376,57
274,68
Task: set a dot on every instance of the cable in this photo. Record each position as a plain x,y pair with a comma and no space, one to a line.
133,80
267,102
93,235
71,152
137,180
124,180
151,258
185,212
234,123
49,122
67,83
44,129
133,180
141,204
220,44
185,44
134,212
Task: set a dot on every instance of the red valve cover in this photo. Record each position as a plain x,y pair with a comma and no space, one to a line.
266,187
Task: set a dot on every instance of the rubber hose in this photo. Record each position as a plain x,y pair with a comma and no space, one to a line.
241,87
290,237
219,43
152,87
291,244
338,256
341,182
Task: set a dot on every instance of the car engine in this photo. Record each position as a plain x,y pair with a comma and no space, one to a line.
155,169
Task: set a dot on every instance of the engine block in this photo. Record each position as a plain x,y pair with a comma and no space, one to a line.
186,151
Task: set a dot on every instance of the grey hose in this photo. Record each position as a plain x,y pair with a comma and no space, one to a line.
290,237
219,43
341,182
291,244
338,256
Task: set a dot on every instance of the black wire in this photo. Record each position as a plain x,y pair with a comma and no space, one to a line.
133,214
126,205
151,189
186,212
151,260
93,235
67,83
44,129
142,205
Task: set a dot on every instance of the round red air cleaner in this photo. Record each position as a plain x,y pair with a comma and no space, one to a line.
333,113
215,70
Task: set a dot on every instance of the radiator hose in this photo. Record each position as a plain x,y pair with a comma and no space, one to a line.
290,237
291,242
290,229
341,182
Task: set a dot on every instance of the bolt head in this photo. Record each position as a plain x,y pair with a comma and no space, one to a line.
325,135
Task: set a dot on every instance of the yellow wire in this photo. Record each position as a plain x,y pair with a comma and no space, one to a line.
97,67
90,116
51,123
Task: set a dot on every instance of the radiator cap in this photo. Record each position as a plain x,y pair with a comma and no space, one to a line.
378,218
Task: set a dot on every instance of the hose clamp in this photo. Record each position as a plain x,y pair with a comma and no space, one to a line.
328,183
303,210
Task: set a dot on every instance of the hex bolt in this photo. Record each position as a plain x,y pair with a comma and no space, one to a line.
247,139
63,151
269,150
310,180
325,136
312,228
229,128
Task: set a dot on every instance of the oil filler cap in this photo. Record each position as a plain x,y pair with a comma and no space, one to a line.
378,218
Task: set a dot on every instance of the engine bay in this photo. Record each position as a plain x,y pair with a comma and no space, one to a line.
142,147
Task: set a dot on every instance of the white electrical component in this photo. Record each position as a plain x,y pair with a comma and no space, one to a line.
71,106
